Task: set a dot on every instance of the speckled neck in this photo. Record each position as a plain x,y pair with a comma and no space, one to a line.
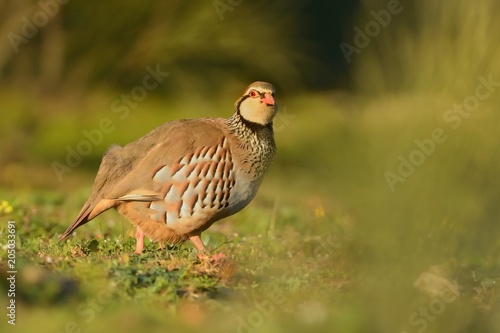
257,140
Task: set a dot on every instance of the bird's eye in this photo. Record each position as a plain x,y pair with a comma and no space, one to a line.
253,93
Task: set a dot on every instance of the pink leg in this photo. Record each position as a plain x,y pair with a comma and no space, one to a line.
198,243
139,245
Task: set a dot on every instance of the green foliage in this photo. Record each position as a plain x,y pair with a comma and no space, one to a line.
96,43
89,275
431,47
328,244
337,247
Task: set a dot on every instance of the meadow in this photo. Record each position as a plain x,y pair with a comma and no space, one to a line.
326,245
379,214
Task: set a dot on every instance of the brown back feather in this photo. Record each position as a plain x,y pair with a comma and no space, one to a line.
128,168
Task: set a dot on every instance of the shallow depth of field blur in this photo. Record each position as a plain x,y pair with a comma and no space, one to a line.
380,213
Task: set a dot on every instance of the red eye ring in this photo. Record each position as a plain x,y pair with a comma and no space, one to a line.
253,93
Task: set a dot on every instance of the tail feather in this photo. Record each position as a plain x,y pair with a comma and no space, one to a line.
114,166
91,210
81,219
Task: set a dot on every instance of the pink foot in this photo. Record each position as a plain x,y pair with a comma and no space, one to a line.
218,256
215,257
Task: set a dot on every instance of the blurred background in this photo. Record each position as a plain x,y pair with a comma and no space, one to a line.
361,84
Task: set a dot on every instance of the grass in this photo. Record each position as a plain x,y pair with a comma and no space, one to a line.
336,249
88,278
326,245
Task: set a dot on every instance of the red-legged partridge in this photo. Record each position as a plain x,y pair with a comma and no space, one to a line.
185,175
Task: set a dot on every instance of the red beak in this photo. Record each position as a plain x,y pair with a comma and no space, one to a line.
268,99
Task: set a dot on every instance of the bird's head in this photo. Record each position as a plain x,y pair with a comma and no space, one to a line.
257,105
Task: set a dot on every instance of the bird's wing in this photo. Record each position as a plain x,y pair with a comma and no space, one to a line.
126,173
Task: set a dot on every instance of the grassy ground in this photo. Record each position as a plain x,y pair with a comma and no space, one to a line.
326,245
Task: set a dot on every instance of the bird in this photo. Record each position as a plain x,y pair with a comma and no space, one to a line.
183,176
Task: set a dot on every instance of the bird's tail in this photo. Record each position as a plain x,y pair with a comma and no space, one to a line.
81,219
